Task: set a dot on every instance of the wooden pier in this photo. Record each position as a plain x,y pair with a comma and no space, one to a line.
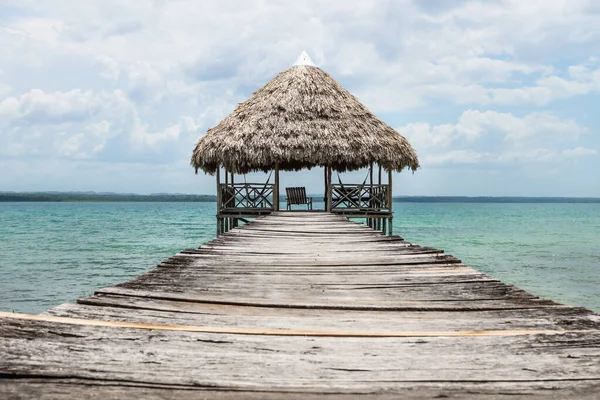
304,305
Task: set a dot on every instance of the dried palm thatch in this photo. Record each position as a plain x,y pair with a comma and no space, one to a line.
301,119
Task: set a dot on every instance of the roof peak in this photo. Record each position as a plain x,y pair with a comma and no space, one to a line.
302,118
304,59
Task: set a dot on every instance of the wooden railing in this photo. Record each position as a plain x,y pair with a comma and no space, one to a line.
249,196
367,197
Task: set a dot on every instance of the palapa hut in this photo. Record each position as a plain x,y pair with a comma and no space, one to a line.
301,119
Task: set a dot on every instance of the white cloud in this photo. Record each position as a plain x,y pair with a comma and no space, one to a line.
37,106
81,125
70,147
422,135
495,138
527,156
537,125
466,87
580,152
454,157
4,89
473,124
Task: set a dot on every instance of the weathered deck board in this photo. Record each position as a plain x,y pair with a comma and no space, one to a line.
304,305
183,313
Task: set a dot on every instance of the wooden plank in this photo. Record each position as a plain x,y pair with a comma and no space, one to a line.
332,303
276,332
41,388
422,291
40,348
162,312
275,260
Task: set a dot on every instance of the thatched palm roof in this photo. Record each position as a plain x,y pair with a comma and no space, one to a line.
301,119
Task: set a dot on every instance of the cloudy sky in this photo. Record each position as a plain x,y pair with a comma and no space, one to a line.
497,97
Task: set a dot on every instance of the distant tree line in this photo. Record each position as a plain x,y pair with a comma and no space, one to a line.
75,197
485,199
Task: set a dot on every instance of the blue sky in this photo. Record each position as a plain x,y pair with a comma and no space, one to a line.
497,97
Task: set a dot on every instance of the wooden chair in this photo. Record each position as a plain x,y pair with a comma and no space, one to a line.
297,195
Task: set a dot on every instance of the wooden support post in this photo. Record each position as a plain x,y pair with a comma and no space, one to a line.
390,203
276,192
218,190
370,220
218,200
232,190
379,222
325,186
329,189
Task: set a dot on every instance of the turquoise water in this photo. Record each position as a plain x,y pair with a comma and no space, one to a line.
51,253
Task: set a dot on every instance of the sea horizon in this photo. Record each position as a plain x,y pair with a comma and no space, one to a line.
93,196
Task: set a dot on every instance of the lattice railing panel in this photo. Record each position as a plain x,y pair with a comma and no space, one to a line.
257,196
365,197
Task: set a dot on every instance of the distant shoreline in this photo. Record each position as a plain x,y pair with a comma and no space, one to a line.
491,199
103,197
56,197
